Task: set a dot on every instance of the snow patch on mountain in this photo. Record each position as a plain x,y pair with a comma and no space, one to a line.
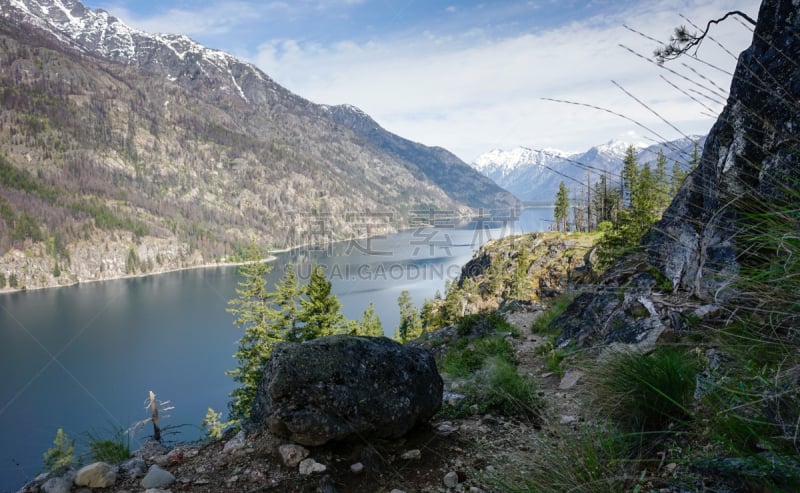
535,174
98,33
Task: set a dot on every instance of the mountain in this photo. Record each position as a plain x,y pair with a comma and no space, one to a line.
128,152
534,175
436,164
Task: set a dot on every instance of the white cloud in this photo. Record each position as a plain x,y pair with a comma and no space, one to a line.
472,92
213,19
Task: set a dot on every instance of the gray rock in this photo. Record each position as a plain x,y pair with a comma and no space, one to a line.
235,444
97,475
157,478
310,466
157,490
752,148
134,467
292,454
357,468
414,454
61,484
397,491
570,379
150,450
451,479
446,428
341,386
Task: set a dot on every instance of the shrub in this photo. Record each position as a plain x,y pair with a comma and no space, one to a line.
112,450
60,456
214,425
466,357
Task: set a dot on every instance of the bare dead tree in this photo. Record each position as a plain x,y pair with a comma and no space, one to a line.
154,410
682,40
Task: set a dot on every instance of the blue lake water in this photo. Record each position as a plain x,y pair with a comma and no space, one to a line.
84,357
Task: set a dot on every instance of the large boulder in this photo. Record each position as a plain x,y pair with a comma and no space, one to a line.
751,157
341,386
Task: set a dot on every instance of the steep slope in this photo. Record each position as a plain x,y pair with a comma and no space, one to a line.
438,165
116,143
534,175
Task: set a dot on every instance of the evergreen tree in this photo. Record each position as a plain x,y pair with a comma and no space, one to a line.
320,310
561,212
630,175
663,196
253,308
286,298
370,324
644,200
676,178
410,322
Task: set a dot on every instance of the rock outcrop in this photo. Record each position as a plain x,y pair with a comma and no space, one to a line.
750,157
750,160
341,386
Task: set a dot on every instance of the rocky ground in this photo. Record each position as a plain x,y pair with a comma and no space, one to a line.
467,455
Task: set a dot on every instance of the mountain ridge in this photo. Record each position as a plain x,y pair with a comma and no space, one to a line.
154,137
535,174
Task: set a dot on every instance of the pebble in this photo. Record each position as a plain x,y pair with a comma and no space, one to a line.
446,428
310,466
357,468
414,454
292,454
566,419
570,379
451,479
397,491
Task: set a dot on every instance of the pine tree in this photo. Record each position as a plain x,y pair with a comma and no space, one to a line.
663,196
253,308
630,175
561,212
286,298
676,178
320,310
370,324
644,201
410,322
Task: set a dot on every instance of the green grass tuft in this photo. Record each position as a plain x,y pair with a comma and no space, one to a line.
646,391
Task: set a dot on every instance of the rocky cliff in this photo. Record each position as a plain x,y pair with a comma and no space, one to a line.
749,164
750,158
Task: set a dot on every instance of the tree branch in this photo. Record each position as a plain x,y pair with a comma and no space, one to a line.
682,41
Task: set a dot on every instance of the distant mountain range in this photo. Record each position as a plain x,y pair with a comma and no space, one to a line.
534,175
108,133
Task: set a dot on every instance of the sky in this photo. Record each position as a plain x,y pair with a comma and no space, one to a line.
472,76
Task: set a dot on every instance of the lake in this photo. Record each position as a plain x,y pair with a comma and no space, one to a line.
84,357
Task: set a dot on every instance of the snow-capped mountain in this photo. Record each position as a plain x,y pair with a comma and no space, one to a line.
180,59
534,174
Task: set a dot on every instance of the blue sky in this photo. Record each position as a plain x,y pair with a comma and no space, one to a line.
473,75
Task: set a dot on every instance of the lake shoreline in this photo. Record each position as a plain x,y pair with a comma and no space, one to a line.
271,258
